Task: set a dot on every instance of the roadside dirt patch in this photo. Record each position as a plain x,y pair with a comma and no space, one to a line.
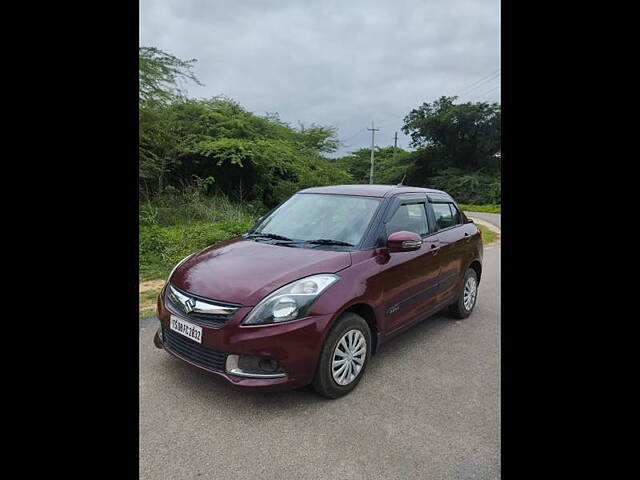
151,285
490,226
148,296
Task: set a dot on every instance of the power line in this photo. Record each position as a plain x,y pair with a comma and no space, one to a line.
482,79
477,97
481,85
473,86
359,132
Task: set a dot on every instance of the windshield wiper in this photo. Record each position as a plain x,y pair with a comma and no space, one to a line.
319,241
328,241
268,235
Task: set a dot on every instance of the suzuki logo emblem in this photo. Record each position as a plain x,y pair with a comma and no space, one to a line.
189,305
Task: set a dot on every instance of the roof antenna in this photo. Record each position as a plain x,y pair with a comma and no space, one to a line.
402,181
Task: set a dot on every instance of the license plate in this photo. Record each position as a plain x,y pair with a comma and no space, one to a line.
188,329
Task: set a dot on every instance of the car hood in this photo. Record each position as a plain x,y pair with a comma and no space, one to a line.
244,271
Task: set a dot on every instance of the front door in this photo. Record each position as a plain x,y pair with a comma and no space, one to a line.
410,279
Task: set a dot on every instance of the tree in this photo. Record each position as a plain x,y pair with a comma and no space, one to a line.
456,148
262,157
319,138
465,136
386,170
159,73
158,76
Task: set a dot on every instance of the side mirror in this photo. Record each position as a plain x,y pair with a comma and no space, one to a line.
259,219
404,242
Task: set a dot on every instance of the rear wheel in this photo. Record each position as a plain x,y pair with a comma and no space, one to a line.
344,356
463,306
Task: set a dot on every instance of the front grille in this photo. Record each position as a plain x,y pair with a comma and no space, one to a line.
194,352
207,319
215,321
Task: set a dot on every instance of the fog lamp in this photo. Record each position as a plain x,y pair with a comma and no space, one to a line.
253,366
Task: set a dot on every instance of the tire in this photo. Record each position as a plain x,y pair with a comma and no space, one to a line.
324,382
459,309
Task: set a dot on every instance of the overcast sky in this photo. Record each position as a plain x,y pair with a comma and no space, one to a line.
333,62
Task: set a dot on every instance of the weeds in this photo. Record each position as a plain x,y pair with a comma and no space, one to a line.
480,208
175,225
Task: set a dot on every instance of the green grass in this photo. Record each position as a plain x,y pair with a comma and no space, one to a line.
176,225
161,247
480,208
148,303
176,208
488,236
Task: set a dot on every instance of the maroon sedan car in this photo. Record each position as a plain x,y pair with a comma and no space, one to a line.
310,293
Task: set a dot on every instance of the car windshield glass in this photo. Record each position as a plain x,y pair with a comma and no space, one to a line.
309,217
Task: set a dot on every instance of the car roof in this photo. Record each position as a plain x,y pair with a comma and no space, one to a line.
371,190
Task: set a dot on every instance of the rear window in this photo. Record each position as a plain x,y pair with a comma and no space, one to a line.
446,215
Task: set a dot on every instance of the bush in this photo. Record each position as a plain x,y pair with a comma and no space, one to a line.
471,188
162,247
176,224
190,205
263,170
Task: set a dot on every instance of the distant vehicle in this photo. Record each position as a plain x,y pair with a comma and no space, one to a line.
318,284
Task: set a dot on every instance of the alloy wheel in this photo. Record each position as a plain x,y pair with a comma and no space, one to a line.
348,357
470,292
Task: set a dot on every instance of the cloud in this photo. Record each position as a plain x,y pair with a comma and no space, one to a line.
342,63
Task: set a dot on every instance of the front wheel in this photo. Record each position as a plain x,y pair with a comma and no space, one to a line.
467,300
344,356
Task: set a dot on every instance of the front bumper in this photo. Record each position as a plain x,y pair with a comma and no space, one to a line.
294,345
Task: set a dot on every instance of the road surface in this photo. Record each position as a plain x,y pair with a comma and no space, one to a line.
428,407
493,218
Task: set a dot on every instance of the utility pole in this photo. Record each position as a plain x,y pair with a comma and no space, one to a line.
395,145
373,132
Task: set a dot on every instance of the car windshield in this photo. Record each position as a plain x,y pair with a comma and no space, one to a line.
309,217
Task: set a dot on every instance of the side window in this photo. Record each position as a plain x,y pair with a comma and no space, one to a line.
411,218
443,215
457,220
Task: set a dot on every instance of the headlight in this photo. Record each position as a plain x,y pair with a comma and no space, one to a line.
180,263
291,301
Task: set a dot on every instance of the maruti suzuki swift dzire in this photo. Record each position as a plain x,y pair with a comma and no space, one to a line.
310,293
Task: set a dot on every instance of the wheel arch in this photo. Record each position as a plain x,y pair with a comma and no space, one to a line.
477,267
367,312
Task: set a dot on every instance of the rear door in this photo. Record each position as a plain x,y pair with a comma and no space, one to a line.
449,227
409,279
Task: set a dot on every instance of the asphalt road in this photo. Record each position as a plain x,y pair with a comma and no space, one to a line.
428,407
493,218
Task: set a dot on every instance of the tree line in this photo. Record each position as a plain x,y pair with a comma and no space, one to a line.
218,147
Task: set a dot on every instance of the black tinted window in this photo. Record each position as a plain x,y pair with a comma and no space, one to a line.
410,218
455,214
444,215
